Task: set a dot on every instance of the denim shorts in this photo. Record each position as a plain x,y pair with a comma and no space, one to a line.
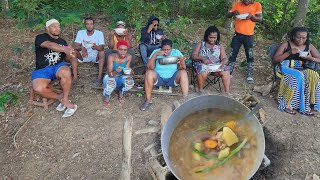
166,81
48,72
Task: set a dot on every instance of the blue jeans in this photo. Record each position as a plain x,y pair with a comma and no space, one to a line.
146,50
124,83
237,41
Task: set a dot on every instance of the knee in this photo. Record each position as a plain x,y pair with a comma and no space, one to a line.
39,88
142,47
129,81
101,54
64,73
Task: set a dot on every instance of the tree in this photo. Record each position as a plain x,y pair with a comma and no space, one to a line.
5,6
301,13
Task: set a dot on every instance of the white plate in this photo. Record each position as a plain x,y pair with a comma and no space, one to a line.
303,53
211,67
242,16
120,31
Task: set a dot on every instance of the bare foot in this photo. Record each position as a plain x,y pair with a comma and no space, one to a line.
121,98
68,104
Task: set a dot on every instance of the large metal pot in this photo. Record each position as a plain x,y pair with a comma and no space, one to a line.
202,103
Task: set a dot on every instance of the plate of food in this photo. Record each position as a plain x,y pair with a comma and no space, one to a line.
242,16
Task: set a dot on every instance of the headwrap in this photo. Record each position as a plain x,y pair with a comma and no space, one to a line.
122,42
51,21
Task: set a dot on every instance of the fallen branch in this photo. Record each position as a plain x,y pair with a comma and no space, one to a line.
14,137
126,150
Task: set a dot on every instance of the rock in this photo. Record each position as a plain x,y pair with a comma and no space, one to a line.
148,130
264,89
315,177
263,116
101,112
153,123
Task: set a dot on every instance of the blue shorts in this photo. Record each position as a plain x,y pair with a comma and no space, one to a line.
166,81
48,72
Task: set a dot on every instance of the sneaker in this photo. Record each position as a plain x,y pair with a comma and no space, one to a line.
250,80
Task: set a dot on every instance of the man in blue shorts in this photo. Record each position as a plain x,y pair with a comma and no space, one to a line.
51,53
165,75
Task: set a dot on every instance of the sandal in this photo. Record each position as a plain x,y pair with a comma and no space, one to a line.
309,113
145,106
61,107
106,102
70,111
289,111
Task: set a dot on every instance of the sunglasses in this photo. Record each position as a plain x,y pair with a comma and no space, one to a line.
156,25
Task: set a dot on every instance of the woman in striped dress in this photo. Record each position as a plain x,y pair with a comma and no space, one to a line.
210,51
299,86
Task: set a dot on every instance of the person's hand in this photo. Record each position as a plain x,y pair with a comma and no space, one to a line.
180,59
119,69
235,13
160,53
249,16
151,26
94,46
84,52
125,32
294,51
113,32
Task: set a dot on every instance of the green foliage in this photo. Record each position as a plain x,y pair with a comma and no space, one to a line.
7,98
278,15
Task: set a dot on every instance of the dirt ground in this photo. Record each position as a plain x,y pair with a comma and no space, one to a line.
89,144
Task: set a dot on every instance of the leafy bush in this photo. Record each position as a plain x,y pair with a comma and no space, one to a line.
278,15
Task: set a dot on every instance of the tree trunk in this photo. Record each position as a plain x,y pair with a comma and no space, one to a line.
301,13
5,6
228,21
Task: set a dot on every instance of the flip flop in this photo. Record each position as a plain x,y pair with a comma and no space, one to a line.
145,106
289,111
61,107
309,113
70,111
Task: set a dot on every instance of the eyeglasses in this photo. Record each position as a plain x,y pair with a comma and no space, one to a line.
156,25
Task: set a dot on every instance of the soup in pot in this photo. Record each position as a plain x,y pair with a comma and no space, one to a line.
208,145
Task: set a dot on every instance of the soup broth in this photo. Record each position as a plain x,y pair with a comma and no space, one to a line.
191,128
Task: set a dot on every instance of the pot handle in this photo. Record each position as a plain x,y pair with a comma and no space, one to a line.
265,162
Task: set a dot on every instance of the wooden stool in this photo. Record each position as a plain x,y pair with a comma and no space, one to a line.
44,102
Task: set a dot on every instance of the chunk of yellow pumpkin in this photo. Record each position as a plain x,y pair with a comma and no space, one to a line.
224,153
229,136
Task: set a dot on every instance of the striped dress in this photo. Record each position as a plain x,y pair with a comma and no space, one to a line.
213,56
298,88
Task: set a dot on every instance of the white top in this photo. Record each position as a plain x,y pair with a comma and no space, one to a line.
87,41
